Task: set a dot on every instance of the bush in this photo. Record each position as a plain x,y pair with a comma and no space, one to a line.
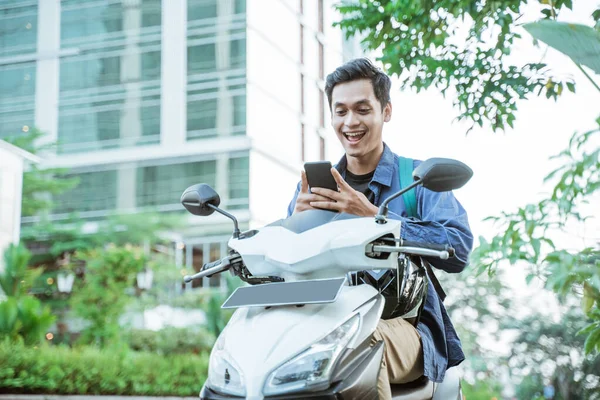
100,297
171,341
61,370
21,316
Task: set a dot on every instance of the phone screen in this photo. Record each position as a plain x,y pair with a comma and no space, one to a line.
318,174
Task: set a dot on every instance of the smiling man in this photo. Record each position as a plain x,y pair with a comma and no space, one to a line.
368,173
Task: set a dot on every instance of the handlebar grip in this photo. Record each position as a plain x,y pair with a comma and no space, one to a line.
432,246
208,272
211,264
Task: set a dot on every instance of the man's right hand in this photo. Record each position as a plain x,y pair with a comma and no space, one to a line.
305,197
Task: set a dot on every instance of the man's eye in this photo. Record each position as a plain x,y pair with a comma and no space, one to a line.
340,112
364,110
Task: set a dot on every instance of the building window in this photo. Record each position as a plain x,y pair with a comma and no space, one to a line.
321,109
118,44
163,184
150,68
201,9
93,21
302,108
202,118
321,61
96,191
17,98
238,53
239,110
240,6
203,253
321,147
320,12
301,44
213,108
239,174
108,124
18,28
302,142
202,59
211,100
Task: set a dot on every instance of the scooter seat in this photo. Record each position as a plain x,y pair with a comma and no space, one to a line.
421,390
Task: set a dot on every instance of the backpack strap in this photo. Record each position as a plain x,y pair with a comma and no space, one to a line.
410,198
410,203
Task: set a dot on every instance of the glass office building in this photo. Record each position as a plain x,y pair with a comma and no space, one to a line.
147,97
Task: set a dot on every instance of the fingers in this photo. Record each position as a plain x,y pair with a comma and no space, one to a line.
327,194
325,205
315,197
304,200
338,178
304,188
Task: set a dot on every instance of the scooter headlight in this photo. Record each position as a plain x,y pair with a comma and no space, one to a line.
224,375
312,368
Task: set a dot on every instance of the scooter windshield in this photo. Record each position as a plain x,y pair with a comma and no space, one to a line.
310,219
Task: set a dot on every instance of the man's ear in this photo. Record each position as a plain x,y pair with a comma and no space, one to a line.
387,112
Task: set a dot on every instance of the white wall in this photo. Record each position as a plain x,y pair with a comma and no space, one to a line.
272,187
11,181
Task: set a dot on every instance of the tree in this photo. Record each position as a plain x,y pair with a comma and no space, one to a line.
460,47
100,296
463,48
549,351
39,184
478,306
528,233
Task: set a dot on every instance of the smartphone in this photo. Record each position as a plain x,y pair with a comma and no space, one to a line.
318,174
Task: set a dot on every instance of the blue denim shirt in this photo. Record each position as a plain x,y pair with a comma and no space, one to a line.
442,220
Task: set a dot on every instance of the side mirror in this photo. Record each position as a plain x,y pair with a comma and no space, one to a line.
198,199
442,174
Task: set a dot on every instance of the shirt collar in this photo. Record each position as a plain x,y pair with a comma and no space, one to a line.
384,171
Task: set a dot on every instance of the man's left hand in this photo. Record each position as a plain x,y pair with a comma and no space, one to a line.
347,200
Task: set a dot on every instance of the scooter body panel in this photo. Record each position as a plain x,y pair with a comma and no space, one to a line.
261,339
329,250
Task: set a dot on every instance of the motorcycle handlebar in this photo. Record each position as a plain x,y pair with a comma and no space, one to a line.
215,267
211,265
431,246
205,273
419,251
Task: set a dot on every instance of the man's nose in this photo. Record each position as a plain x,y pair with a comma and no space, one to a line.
351,119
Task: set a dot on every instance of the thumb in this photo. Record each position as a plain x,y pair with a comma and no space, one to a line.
304,188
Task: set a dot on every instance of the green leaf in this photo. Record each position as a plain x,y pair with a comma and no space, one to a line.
588,329
592,341
529,278
579,42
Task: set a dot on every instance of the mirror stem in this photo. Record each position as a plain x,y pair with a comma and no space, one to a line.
236,229
381,217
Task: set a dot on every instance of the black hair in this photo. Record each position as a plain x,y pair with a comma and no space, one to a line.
360,68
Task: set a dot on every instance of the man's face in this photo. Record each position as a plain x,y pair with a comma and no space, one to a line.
357,117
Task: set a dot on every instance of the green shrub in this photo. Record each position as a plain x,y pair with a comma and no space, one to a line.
61,370
100,297
171,341
22,316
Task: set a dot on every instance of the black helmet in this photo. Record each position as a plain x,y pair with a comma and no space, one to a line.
405,290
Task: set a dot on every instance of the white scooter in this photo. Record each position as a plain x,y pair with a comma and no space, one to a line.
302,330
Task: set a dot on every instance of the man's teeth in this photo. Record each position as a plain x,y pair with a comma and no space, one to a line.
352,134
